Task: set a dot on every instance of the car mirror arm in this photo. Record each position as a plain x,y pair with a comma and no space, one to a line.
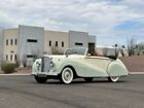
66,55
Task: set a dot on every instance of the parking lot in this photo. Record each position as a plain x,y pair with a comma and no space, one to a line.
24,92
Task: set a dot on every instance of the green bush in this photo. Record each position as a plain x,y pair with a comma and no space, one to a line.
8,67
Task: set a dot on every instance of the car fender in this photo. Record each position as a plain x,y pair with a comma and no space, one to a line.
117,68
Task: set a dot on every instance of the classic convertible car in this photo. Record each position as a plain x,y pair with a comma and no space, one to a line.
77,63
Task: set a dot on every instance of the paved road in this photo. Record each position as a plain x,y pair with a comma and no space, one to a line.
24,92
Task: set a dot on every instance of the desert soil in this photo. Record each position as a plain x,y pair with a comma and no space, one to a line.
134,63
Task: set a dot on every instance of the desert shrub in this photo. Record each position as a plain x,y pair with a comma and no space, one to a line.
138,53
8,67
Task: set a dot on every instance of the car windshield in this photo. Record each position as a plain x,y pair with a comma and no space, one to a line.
78,51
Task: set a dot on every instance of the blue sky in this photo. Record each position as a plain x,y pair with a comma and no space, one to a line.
112,21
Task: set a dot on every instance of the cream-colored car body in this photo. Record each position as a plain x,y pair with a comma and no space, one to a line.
83,65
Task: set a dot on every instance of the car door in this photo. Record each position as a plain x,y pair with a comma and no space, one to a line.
96,66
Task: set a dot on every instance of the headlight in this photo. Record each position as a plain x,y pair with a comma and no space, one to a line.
51,64
38,65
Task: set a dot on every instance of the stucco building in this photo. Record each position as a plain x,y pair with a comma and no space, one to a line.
55,42
22,43
1,46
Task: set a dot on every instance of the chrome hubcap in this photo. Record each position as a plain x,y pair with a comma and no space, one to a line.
67,75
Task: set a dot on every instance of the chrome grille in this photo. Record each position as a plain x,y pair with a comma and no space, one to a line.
46,64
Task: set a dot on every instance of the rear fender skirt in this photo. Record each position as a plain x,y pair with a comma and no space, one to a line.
117,68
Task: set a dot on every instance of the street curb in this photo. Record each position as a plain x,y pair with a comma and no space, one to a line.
15,74
136,73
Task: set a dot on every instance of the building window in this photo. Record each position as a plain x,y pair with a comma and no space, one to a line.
15,41
56,43
11,57
32,40
30,56
50,43
15,57
11,41
7,42
45,52
79,44
62,44
6,57
12,51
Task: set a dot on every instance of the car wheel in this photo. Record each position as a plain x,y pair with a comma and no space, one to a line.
40,79
67,75
88,79
113,78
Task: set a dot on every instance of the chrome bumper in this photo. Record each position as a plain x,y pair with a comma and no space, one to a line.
45,73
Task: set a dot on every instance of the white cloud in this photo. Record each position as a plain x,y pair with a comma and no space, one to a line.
99,17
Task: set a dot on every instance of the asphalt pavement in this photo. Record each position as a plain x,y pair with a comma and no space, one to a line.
24,92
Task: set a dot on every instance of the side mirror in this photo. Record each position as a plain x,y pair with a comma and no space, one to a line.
66,54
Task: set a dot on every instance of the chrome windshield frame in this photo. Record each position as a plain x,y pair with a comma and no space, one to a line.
85,52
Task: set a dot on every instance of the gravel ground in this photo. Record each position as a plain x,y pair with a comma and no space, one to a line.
134,63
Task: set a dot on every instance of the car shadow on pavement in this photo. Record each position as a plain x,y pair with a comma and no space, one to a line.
57,82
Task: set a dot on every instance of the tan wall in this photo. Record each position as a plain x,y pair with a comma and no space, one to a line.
54,36
10,49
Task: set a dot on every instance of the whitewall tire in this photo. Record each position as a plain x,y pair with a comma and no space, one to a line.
67,75
113,78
